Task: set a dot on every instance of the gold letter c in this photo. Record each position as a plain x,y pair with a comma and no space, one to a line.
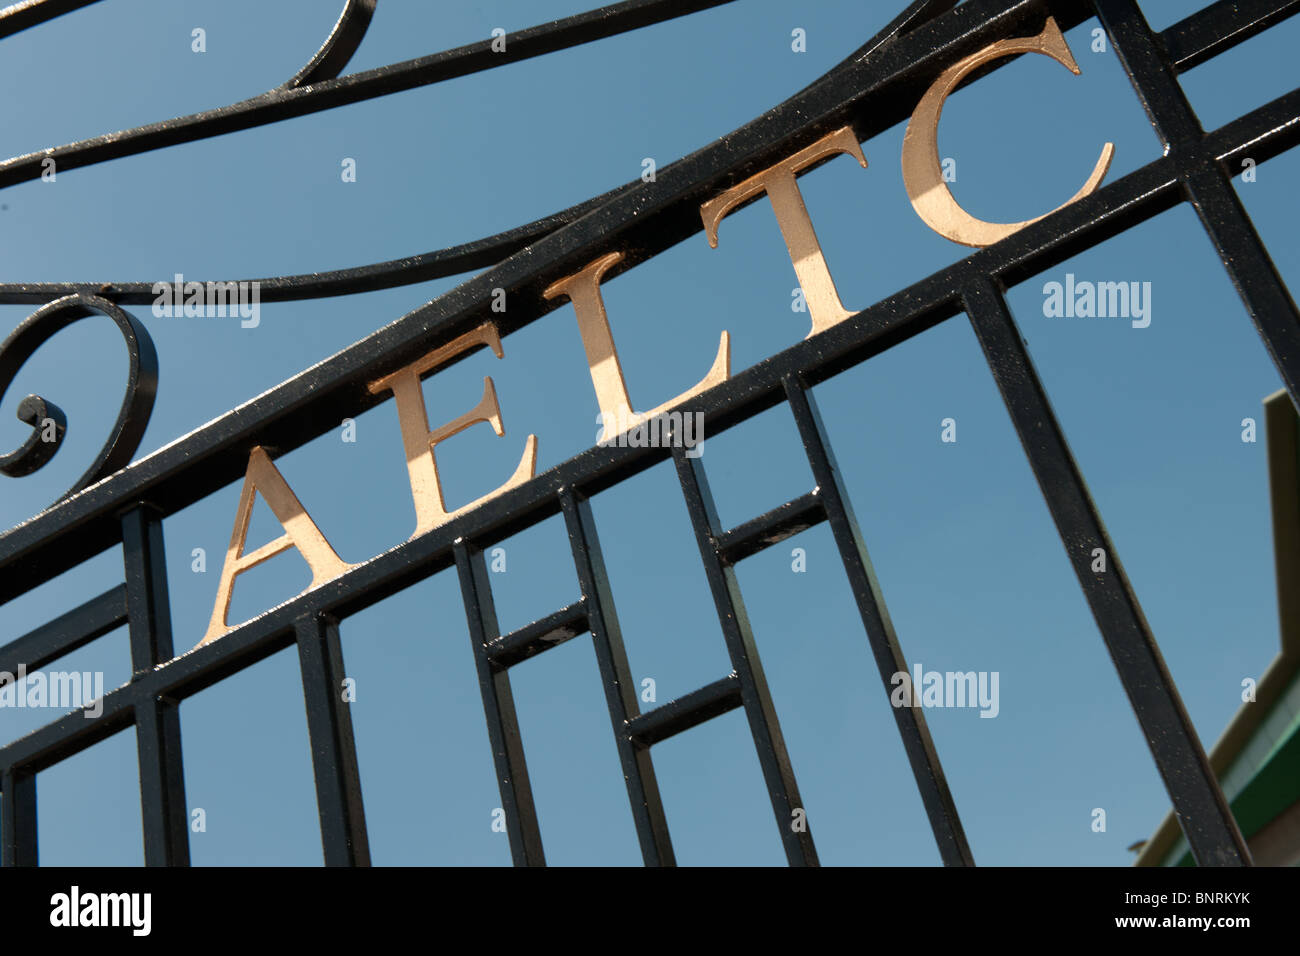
922,175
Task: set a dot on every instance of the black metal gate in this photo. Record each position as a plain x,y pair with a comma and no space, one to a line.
872,90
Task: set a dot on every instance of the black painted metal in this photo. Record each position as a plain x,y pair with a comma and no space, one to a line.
333,749
158,722
778,772
677,716
872,90
930,780
137,405
1203,811
616,675
499,705
67,632
18,818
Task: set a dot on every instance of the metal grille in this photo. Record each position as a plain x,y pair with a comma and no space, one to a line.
872,90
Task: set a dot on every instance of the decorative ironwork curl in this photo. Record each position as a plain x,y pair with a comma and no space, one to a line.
39,412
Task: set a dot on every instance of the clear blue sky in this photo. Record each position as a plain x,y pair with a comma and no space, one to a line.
972,570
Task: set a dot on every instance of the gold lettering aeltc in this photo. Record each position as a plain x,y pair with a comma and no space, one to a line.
923,179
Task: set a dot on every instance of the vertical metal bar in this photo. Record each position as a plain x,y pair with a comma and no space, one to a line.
499,706
1244,256
147,606
333,747
616,675
163,813
921,754
1270,305
18,819
1198,802
164,818
1151,74
763,723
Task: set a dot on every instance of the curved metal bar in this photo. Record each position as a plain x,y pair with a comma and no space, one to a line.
424,267
409,270
328,62
137,404
338,47
19,16
287,103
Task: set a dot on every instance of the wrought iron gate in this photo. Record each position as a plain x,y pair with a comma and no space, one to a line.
121,502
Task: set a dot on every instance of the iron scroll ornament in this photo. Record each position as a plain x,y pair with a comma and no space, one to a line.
47,420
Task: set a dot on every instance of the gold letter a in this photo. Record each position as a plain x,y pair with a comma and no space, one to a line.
300,532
